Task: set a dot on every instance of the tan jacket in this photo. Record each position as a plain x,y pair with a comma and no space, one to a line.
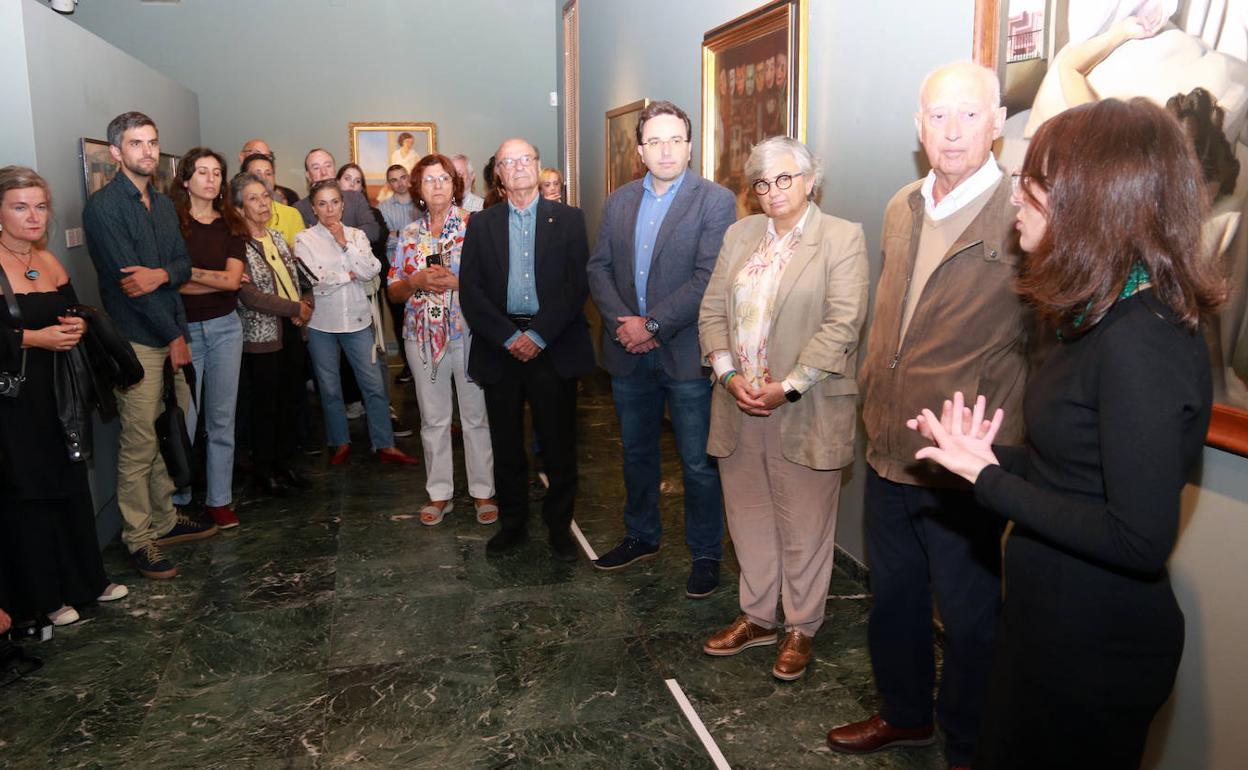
968,333
819,310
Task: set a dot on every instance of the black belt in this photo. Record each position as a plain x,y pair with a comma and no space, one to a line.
522,322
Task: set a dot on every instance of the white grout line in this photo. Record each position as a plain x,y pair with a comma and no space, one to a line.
849,596
708,742
580,537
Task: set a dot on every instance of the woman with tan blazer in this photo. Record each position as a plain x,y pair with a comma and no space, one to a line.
779,323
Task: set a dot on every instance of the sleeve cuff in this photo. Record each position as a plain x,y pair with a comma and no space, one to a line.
537,338
721,362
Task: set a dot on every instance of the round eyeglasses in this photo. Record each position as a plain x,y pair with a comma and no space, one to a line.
782,182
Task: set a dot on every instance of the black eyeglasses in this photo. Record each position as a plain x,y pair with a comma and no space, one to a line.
1018,181
782,182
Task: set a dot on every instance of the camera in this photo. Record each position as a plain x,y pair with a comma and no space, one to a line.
11,384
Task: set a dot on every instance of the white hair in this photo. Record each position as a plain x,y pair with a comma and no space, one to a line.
988,80
769,151
467,162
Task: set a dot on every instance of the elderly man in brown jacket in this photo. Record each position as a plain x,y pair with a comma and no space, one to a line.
946,318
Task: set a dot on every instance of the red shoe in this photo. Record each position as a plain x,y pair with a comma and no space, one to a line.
396,457
222,515
340,455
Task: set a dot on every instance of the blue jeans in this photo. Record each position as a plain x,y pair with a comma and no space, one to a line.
639,400
217,353
358,346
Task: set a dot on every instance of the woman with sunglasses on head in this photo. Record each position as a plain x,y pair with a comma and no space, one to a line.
215,239
49,554
780,323
1110,207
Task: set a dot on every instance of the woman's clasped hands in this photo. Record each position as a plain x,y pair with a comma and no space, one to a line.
962,437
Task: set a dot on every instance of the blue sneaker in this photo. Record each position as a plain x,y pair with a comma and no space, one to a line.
703,579
185,530
628,551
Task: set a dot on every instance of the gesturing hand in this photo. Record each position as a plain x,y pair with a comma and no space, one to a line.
963,437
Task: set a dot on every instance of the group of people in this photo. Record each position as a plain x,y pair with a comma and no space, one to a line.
1034,385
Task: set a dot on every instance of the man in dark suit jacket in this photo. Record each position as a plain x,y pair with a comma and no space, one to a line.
657,246
522,288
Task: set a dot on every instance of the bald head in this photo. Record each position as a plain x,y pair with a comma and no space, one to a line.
960,116
516,164
254,147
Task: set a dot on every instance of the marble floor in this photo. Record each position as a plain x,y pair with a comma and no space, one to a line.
334,630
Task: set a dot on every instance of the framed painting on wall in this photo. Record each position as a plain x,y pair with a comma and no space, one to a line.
98,167
1189,50
623,161
753,86
376,147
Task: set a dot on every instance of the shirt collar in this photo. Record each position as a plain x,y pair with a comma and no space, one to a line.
129,187
527,210
648,183
987,176
797,230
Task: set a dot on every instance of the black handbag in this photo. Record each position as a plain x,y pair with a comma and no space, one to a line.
175,442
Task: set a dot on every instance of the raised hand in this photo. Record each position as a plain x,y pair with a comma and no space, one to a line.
963,437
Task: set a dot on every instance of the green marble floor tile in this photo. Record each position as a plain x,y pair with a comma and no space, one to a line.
274,720
243,586
397,628
224,644
660,742
384,707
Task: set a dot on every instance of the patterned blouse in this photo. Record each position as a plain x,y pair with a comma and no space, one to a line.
431,319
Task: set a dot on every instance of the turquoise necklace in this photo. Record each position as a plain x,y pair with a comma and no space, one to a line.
1135,280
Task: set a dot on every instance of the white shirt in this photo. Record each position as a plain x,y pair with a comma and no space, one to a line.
987,175
472,201
342,303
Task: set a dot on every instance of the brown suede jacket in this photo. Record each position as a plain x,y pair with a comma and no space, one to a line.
968,333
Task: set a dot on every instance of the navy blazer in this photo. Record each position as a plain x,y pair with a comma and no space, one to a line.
561,249
683,260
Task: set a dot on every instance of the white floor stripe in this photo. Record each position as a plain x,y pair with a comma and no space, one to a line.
580,537
703,734
849,596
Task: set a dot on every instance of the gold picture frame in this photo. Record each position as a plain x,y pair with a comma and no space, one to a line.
753,86
623,161
374,146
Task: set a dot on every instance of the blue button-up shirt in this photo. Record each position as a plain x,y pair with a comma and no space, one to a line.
122,232
521,280
650,216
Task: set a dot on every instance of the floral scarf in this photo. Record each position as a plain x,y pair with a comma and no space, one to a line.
431,319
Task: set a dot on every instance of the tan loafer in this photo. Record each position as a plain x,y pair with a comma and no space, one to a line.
874,734
741,635
795,653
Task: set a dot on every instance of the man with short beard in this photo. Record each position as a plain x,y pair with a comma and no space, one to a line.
135,241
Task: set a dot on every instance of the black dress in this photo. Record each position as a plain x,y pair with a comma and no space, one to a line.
48,547
1091,634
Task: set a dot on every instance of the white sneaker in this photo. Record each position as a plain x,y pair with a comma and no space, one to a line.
113,593
64,616
355,410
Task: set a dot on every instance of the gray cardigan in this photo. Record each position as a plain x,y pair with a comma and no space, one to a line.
259,304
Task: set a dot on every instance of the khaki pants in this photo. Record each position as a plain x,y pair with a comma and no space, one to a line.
782,519
144,490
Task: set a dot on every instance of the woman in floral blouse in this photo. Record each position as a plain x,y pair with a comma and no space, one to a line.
425,276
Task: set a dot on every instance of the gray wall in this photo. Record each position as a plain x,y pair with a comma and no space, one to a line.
17,132
297,72
860,118
866,61
77,83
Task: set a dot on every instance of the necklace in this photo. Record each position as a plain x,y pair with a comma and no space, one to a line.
31,273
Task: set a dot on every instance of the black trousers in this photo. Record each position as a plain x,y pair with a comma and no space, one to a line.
552,400
924,542
276,390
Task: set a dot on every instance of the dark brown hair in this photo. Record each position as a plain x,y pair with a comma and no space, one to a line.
1123,188
654,109
418,172
221,204
1202,118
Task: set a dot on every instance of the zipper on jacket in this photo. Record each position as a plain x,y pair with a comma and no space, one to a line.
905,300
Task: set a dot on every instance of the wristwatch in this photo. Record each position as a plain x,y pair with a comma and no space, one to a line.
652,326
792,395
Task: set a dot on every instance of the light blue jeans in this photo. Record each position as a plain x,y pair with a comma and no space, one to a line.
217,353
358,346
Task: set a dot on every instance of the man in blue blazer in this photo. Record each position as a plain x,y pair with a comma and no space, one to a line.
522,289
657,245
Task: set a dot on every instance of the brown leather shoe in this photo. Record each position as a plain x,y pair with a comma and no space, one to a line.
875,734
738,636
795,653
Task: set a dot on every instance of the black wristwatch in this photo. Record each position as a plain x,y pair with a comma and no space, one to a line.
792,396
652,326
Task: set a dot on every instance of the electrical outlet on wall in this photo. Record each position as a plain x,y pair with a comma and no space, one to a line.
73,237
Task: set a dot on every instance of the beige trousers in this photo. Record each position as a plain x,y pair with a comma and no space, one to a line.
144,490
782,519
